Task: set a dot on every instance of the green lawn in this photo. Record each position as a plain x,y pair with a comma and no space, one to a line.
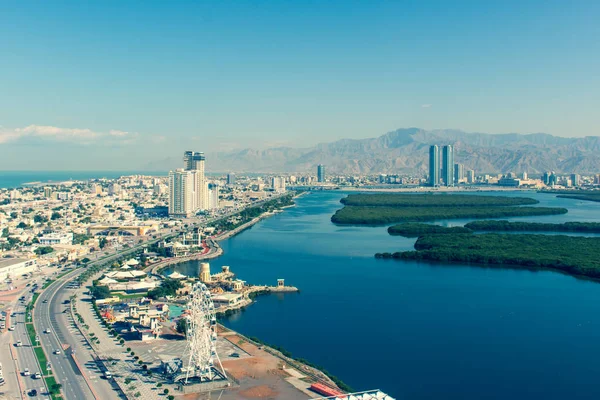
31,332
41,356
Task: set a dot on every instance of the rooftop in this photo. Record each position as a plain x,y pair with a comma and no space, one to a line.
7,262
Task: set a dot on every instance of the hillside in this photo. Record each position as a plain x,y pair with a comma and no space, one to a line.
404,151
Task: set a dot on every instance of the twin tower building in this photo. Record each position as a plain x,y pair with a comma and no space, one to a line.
447,166
188,186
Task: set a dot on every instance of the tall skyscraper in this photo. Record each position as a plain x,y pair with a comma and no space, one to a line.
182,196
575,180
321,173
278,184
231,178
448,165
434,165
459,172
471,176
194,161
213,196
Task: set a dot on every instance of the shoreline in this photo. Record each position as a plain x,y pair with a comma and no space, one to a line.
156,268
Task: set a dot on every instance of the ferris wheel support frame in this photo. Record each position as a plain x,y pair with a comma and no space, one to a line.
201,336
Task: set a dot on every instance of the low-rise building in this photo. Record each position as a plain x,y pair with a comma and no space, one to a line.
11,267
54,238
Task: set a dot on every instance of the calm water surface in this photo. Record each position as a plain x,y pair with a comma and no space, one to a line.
416,330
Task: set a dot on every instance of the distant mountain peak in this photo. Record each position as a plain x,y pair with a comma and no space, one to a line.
405,151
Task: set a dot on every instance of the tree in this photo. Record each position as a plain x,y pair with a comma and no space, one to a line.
14,215
55,388
43,250
55,216
182,325
102,242
40,219
100,292
22,225
5,232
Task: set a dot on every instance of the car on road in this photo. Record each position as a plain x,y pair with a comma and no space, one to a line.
57,351
47,330
45,301
107,375
19,343
33,393
11,328
37,375
26,372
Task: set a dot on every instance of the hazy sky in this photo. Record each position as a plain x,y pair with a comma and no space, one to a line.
112,84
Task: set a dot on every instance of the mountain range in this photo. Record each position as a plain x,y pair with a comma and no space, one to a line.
405,151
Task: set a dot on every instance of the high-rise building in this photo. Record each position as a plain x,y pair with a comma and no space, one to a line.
114,189
278,184
459,172
194,161
471,176
182,194
448,165
321,173
546,178
575,180
434,165
231,178
213,196
524,176
48,192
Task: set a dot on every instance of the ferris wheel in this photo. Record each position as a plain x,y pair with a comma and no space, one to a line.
201,335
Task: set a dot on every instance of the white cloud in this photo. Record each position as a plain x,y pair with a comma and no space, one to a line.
73,135
425,105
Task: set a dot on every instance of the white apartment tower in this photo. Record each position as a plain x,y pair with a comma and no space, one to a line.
188,187
194,161
182,194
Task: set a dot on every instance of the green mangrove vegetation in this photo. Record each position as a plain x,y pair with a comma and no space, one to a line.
413,229
503,225
570,254
357,215
583,196
433,200
376,209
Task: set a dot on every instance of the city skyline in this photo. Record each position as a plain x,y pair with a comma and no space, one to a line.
112,91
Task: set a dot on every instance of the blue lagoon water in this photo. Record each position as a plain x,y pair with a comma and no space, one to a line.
417,330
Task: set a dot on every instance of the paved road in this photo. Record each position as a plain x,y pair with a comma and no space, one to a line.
64,368
25,354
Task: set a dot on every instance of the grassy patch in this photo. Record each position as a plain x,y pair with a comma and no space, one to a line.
41,356
31,332
53,387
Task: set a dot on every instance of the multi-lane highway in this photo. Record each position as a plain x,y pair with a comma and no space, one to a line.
51,324
25,355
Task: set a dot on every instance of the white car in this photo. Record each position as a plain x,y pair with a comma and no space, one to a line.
19,343
37,375
57,351
26,372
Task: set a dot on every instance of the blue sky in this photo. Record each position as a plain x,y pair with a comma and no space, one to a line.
110,84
